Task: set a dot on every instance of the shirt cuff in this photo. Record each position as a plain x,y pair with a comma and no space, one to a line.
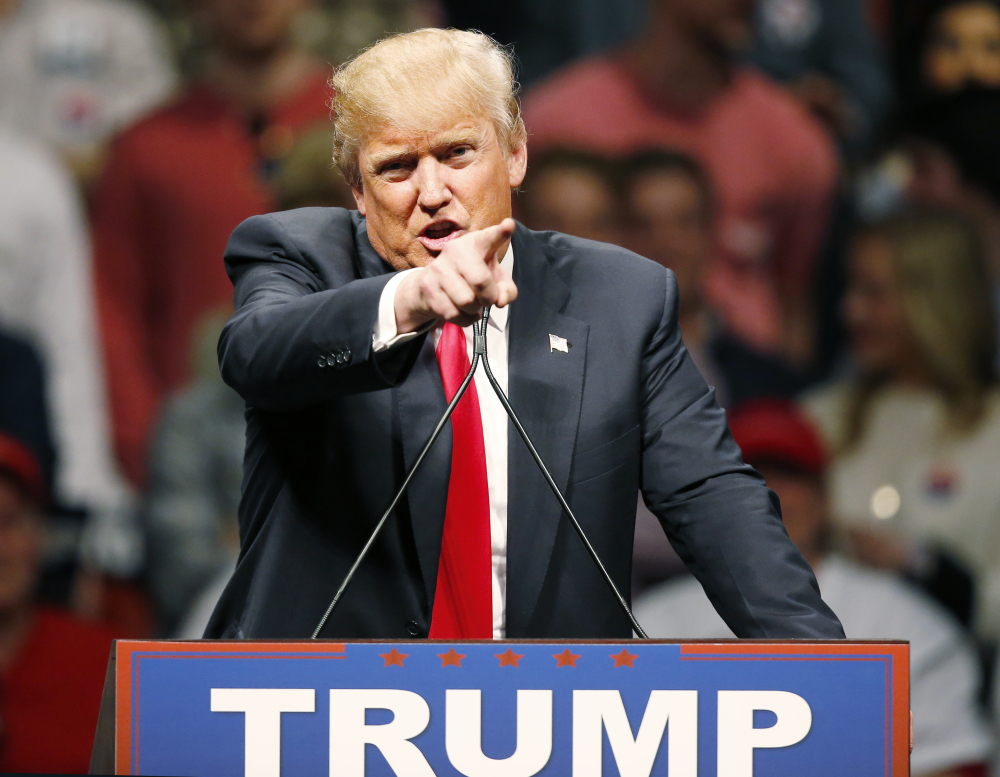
385,337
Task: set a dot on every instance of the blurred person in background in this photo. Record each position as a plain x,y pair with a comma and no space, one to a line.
669,202
961,50
546,34
950,738
24,415
825,52
72,72
954,121
944,153
915,433
52,665
334,30
308,178
177,184
338,29
775,167
195,474
196,460
571,192
958,164
956,104
24,412
47,298
933,34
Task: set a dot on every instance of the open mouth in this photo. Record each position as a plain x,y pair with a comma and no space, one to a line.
435,236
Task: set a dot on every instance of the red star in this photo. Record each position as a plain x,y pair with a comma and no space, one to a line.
510,658
451,658
624,658
565,658
393,657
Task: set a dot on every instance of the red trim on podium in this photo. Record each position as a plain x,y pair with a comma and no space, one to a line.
897,673
127,677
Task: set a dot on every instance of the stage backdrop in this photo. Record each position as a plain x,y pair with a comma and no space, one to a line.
512,709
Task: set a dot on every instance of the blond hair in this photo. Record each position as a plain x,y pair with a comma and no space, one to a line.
946,293
418,80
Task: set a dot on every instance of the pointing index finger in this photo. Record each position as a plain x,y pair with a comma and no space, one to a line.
490,239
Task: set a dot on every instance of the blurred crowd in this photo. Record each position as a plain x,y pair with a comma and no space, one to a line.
822,176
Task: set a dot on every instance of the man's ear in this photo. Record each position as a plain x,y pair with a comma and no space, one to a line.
359,199
517,163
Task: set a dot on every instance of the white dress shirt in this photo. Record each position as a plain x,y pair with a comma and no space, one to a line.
494,421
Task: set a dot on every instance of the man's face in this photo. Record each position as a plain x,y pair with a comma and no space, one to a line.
727,24
882,341
573,200
671,224
251,27
964,48
20,546
421,190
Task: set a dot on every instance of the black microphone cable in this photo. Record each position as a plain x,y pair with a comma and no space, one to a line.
402,489
479,351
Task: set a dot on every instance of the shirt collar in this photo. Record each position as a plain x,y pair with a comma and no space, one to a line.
498,316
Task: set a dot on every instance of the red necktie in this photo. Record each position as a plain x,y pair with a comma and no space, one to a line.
463,601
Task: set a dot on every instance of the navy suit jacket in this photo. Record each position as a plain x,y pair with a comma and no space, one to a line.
332,428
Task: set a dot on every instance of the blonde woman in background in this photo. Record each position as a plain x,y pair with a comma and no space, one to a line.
916,433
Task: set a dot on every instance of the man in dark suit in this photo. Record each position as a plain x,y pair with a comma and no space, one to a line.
346,344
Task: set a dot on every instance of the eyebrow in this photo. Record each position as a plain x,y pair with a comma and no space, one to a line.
441,140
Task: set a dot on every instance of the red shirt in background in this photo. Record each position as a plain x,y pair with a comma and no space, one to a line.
50,696
774,167
176,185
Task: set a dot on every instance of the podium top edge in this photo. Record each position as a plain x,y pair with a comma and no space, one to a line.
623,641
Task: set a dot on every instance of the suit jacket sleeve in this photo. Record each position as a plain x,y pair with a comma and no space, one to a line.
717,512
291,317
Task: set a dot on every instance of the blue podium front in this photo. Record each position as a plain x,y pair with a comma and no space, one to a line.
511,709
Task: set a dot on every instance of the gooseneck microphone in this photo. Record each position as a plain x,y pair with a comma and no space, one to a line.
479,352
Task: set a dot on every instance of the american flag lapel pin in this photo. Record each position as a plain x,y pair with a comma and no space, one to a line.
557,343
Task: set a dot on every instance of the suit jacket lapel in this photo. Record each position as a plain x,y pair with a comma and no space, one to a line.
421,403
546,393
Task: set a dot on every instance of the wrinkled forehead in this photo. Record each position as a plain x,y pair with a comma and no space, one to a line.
400,136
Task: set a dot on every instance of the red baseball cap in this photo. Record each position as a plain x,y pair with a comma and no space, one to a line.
18,462
775,430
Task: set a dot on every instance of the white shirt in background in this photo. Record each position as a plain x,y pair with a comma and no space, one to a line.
925,481
46,296
72,72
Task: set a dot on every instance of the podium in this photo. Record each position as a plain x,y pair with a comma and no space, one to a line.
505,709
